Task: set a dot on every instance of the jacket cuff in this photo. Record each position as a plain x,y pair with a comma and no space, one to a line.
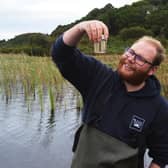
161,164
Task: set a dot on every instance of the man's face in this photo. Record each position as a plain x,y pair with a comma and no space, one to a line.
135,64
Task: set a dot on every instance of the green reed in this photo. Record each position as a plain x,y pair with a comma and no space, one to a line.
36,76
33,75
162,75
52,102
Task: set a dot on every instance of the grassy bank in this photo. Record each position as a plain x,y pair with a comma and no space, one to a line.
34,75
38,75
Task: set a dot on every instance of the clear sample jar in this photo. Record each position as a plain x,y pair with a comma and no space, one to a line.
100,47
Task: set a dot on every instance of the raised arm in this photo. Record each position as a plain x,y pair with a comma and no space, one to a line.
79,69
94,29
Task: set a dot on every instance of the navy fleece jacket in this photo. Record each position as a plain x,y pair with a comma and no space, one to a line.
136,118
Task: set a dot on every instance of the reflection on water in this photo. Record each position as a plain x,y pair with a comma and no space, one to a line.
30,138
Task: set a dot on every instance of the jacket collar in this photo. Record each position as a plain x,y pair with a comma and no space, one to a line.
151,88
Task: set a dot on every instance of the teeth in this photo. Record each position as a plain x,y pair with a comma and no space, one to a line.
128,67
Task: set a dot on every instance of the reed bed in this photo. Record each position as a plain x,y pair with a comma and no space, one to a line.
37,76
162,75
34,75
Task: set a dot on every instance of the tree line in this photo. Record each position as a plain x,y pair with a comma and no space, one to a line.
145,17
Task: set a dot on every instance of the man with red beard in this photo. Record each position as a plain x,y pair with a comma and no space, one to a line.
123,112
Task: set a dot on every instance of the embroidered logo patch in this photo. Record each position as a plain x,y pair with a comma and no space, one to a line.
137,123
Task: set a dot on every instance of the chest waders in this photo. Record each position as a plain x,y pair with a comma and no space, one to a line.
99,150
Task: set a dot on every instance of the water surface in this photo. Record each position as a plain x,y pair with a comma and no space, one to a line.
30,138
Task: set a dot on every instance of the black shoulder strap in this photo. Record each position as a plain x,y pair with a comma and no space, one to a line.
76,138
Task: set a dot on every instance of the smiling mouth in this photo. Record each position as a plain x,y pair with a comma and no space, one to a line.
127,67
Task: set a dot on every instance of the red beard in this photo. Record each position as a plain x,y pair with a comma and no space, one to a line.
134,76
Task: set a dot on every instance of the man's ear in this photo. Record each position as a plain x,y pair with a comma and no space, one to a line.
152,70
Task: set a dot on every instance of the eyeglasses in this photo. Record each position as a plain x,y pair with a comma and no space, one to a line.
138,59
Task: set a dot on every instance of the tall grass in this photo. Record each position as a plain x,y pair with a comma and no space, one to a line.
32,74
162,75
38,75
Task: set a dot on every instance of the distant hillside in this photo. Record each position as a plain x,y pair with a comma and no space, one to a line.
29,43
149,14
125,23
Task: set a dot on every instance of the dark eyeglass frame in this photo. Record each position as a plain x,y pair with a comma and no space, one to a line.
137,57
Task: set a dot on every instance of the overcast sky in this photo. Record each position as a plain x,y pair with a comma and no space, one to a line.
22,16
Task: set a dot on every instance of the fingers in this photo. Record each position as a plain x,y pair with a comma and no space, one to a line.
95,29
106,31
99,33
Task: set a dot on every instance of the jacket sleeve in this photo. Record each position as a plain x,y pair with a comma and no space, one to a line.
157,141
77,68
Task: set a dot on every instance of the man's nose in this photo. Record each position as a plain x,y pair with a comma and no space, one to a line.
131,58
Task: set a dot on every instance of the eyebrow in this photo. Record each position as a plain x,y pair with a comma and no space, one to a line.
146,61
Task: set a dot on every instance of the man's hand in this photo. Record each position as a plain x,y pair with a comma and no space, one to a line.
153,165
93,28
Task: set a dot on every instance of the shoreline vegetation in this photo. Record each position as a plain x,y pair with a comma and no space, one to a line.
38,76
33,75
